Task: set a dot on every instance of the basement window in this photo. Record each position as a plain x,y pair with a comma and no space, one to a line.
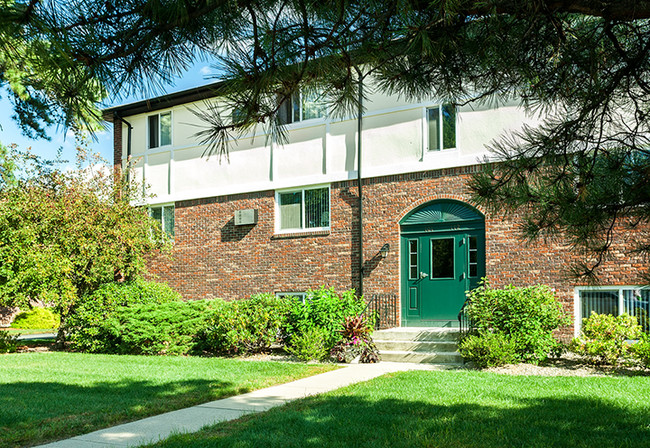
304,209
164,215
160,130
298,296
441,127
614,300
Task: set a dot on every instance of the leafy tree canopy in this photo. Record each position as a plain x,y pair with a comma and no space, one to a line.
581,64
62,234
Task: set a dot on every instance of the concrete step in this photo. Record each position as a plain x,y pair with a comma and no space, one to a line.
431,334
416,346
422,357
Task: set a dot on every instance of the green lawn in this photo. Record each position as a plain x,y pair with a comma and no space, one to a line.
450,409
47,396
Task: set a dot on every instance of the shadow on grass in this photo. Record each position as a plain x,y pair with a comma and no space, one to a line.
340,421
34,412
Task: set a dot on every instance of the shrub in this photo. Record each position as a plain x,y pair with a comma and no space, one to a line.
488,349
8,343
86,327
603,338
356,341
36,318
157,329
309,345
641,350
527,318
325,310
245,326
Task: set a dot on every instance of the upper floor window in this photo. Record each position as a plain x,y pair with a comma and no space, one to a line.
441,124
164,214
301,107
305,209
160,130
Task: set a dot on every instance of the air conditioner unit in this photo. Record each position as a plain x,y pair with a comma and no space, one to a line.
246,217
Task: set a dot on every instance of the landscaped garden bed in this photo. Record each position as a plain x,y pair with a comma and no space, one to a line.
49,396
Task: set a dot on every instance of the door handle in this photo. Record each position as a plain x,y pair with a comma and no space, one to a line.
423,275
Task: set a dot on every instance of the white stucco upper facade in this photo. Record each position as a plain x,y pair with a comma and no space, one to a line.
395,140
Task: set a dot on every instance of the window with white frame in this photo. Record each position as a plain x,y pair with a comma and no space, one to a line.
614,300
164,214
302,106
160,130
304,209
299,296
441,127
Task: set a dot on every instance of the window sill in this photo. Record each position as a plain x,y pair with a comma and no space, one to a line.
300,234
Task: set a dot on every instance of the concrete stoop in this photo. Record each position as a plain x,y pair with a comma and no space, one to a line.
419,345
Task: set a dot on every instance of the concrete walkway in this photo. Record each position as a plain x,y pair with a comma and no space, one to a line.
192,419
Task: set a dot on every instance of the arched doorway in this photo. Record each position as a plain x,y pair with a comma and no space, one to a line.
442,257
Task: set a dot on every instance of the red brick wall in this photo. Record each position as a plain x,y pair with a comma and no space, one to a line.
214,258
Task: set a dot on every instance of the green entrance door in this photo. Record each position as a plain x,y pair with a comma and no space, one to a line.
443,256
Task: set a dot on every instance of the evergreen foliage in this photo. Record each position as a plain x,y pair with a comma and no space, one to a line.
581,65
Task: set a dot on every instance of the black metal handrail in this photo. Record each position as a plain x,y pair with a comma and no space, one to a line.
384,309
465,324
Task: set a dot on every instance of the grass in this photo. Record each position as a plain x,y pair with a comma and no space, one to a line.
49,396
449,409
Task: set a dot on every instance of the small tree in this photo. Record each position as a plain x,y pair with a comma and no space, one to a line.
62,234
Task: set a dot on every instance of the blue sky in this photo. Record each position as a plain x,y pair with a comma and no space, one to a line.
10,133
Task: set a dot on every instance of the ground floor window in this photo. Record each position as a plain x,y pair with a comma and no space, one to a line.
304,209
164,214
615,300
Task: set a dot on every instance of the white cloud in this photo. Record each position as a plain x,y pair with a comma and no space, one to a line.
206,70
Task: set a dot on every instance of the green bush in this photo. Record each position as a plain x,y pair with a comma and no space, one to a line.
603,338
309,345
489,349
86,326
36,318
326,310
158,329
641,350
8,343
245,326
526,317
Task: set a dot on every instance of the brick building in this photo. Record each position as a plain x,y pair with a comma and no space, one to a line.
285,218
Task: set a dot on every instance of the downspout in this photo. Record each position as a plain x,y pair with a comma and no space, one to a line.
359,186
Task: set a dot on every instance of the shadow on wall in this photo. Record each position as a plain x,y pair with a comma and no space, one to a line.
353,202
231,233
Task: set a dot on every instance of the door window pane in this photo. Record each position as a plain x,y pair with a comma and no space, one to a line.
413,259
473,256
442,258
